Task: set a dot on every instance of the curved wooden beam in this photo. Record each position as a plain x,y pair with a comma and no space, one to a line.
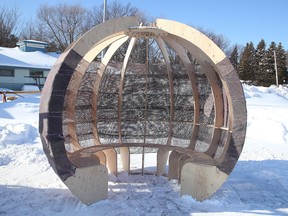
163,49
111,154
213,80
192,77
73,87
162,155
124,152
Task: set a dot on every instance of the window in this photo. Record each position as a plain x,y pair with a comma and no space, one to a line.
36,74
6,72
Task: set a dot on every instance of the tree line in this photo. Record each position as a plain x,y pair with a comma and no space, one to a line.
62,24
258,65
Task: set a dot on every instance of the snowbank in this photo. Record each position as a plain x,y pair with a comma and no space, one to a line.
17,134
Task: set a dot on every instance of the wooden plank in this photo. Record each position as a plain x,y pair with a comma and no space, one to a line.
121,84
173,172
210,71
163,49
101,69
200,180
89,184
219,107
124,152
162,157
181,52
83,160
125,158
203,47
111,156
181,161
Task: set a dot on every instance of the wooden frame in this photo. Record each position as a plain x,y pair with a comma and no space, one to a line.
83,168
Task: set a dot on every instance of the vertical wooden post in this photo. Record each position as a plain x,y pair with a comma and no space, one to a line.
4,98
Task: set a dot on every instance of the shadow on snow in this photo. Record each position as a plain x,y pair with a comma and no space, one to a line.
258,187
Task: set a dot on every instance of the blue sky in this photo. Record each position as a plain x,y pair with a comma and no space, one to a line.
240,21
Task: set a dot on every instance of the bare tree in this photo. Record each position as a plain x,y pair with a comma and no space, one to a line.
8,26
63,24
114,10
34,30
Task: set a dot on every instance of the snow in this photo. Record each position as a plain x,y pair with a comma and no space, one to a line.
14,57
30,88
257,186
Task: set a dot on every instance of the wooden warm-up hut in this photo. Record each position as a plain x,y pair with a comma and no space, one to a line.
125,88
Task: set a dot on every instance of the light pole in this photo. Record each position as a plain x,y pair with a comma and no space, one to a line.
275,66
104,19
104,10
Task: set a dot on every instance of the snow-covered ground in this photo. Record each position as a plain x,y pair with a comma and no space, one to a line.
257,186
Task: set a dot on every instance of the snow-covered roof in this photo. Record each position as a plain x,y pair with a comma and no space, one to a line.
33,41
14,57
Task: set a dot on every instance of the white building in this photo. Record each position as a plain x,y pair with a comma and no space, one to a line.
25,65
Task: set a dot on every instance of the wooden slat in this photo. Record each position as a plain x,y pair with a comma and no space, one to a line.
181,52
173,172
124,152
171,86
162,157
101,69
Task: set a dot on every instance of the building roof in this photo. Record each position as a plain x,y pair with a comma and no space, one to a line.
32,41
14,57
32,45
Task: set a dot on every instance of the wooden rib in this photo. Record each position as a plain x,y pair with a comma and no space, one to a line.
199,44
219,108
171,86
101,68
71,93
226,146
212,77
146,97
124,152
192,77
146,86
226,108
162,155
73,88
111,155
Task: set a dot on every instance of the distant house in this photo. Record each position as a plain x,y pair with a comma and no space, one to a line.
27,64
32,45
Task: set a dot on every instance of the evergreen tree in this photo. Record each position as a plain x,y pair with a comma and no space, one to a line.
260,74
268,66
247,63
281,63
234,57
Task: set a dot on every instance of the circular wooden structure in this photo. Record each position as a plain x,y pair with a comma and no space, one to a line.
124,87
